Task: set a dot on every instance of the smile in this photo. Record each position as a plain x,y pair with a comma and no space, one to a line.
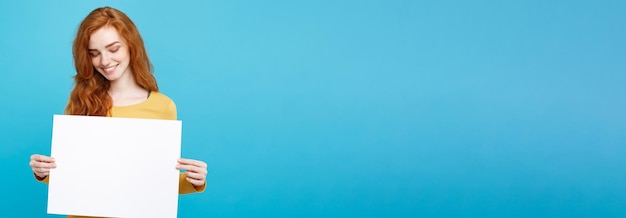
111,69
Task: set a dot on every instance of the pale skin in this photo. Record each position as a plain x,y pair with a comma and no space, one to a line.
110,57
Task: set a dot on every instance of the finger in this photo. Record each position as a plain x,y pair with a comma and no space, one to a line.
45,171
41,158
37,157
44,165
195,182
187,167
192,162
191,168
197,176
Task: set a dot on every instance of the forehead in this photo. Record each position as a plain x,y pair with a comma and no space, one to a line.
103,37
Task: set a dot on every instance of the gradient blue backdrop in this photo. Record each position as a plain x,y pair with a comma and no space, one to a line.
354,108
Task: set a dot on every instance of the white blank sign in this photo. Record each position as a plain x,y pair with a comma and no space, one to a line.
114,167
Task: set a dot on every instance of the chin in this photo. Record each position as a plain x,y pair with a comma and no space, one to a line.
111,77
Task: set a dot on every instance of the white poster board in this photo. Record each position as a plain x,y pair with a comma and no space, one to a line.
114,167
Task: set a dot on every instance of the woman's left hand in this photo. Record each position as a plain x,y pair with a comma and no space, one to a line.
195,170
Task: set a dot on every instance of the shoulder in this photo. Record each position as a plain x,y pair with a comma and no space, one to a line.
160,97
165,104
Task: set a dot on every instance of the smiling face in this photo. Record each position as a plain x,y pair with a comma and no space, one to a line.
109,53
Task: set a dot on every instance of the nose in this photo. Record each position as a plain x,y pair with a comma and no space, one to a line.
105,59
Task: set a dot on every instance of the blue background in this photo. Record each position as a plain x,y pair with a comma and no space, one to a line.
354,108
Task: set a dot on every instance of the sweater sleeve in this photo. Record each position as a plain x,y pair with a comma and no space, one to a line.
185,187
44,180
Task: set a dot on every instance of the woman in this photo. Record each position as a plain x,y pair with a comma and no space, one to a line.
114,78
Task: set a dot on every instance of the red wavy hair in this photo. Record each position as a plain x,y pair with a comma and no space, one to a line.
90,96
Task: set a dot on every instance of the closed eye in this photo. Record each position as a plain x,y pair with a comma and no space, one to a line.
114,49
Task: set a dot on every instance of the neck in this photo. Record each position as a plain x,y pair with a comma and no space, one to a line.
125,87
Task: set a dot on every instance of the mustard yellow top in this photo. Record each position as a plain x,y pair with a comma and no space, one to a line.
156,106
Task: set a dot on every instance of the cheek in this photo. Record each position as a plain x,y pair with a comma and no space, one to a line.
123,56
120,57
95,62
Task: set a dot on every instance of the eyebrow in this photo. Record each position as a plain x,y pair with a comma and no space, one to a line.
107,46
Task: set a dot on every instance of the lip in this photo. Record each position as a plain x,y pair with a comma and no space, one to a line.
110,69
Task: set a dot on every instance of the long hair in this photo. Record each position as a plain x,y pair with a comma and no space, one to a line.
90,94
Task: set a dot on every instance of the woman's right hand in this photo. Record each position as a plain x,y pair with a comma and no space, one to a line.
41,165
